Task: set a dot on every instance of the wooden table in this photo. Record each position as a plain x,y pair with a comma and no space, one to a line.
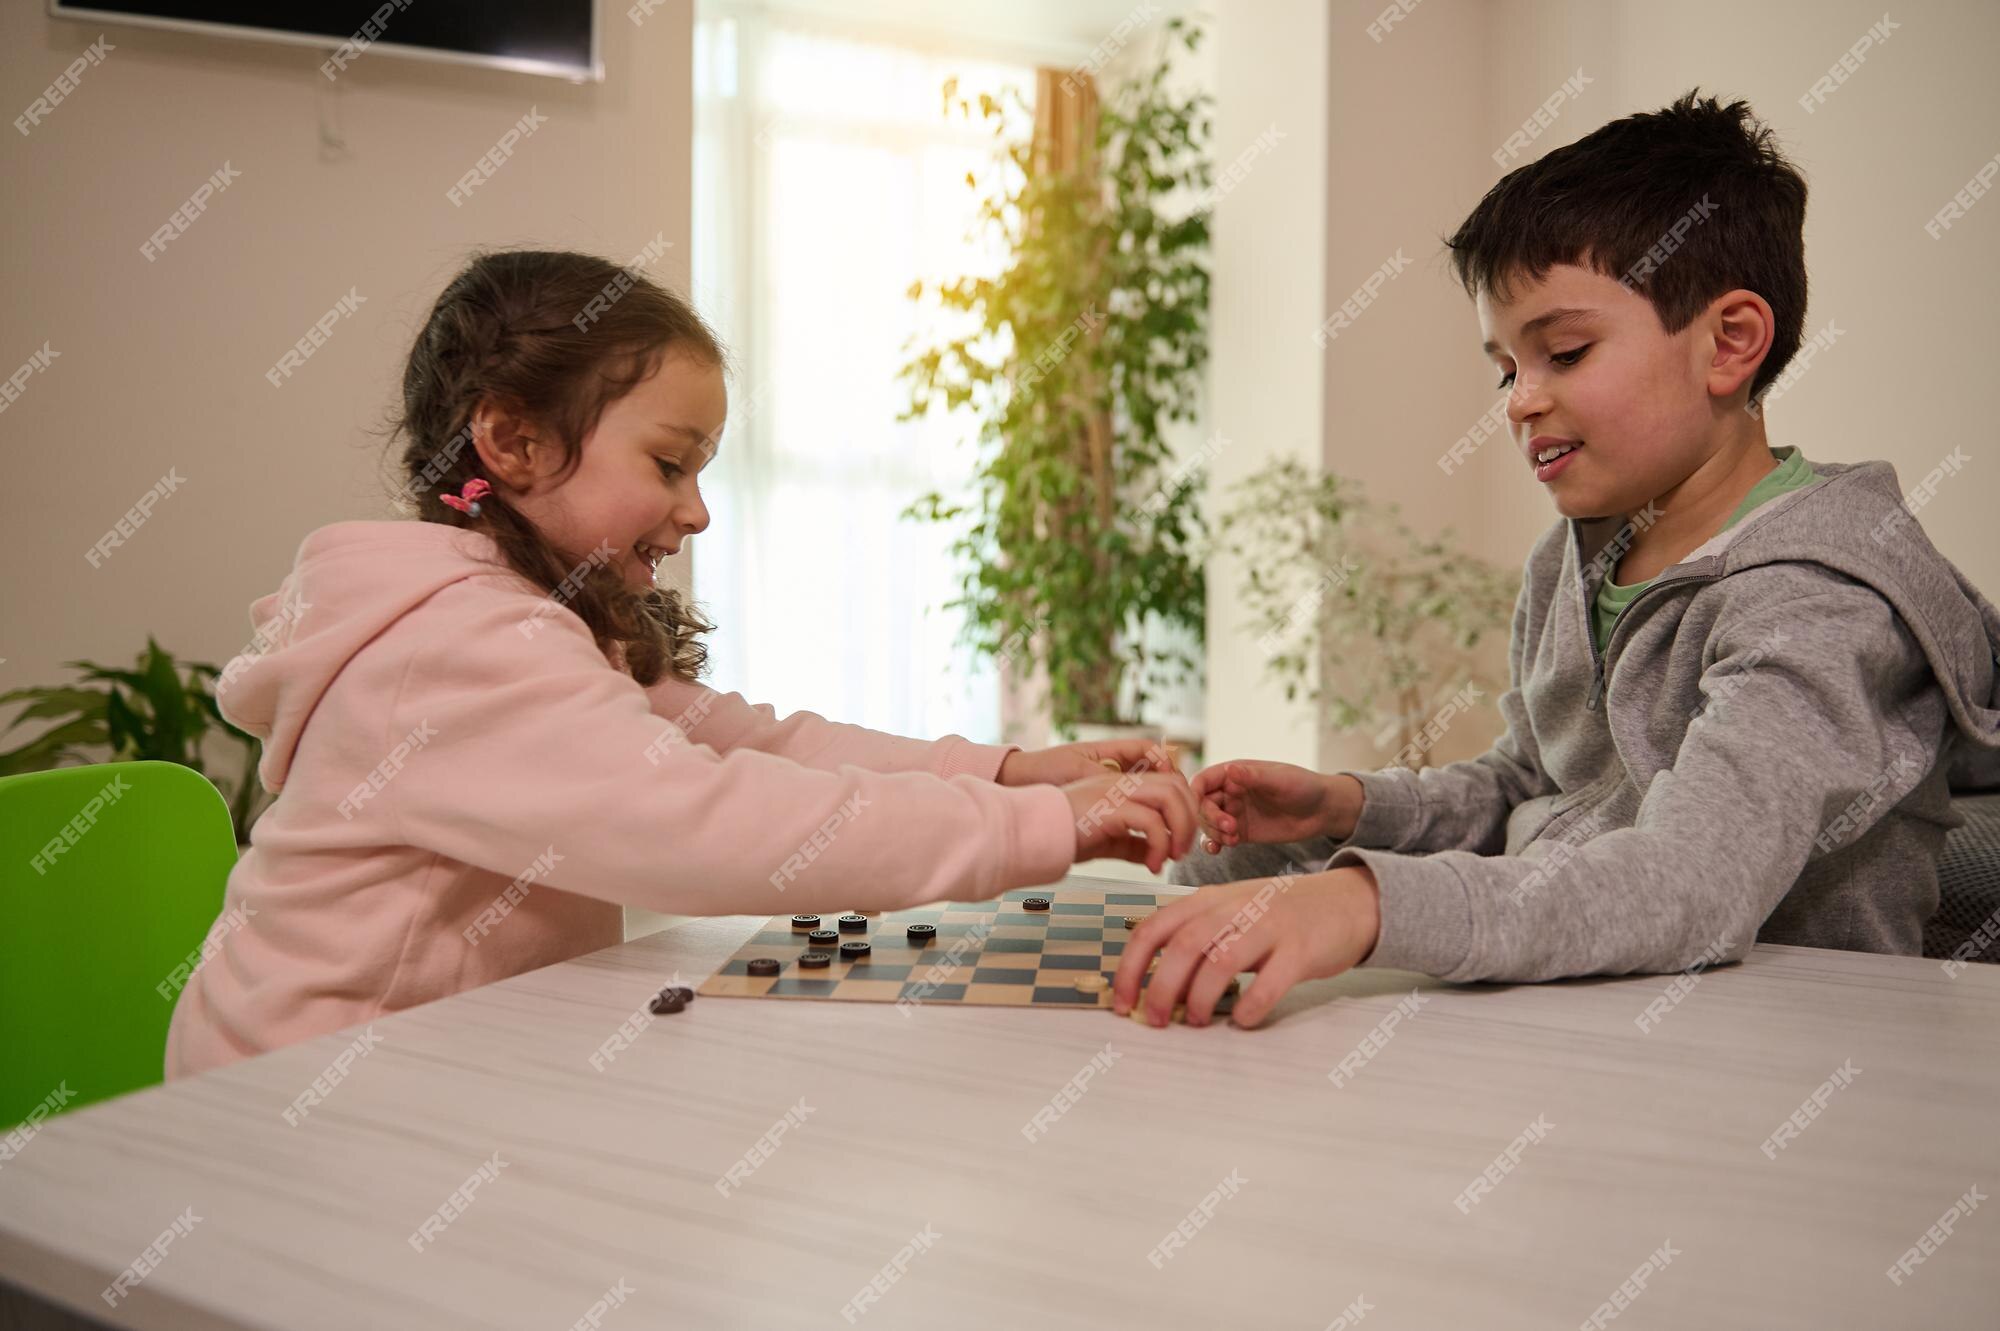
609,1200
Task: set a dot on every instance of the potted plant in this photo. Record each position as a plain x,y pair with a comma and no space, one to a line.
1081,542
152,711
1390,619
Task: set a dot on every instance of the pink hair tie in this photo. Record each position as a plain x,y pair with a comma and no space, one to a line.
469,505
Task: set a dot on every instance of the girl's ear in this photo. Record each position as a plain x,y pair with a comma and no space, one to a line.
508,449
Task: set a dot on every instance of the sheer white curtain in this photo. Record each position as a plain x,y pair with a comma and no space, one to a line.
826,182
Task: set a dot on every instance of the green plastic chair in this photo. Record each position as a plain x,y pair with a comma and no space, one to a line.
90,937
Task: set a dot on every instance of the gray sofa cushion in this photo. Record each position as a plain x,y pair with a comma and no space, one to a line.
1968,881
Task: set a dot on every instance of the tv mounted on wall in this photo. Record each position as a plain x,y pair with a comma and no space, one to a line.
556,37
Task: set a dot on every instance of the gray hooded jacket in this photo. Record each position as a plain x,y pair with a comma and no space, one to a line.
1762,753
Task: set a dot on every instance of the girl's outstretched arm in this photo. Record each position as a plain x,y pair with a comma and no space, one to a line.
726,722
529,741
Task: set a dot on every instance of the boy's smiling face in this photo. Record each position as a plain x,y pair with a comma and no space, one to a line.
1604,373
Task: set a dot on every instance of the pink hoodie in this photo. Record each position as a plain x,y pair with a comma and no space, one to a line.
470,791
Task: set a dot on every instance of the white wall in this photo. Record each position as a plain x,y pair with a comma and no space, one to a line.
1407,154
1267,384
161,364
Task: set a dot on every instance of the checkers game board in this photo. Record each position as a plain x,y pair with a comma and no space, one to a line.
995,953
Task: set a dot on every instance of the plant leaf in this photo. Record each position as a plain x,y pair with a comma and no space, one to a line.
128,733
168,698
50,748
55,702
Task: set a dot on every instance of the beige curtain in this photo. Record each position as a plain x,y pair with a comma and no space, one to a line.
1065,120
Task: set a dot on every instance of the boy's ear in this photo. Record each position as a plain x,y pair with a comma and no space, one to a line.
509,450
1743,326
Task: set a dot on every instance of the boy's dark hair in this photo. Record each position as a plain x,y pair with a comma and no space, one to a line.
559,337
1608,199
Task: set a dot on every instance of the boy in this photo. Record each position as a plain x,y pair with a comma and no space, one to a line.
1736,674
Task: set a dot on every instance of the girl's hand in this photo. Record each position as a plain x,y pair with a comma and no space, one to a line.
1064,763
1262,802
1109,809
1285,929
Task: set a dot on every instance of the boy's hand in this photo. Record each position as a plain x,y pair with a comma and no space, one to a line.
1250,801
1285,929
1064,763
1109,809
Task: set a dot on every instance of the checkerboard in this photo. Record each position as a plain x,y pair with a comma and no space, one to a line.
992,953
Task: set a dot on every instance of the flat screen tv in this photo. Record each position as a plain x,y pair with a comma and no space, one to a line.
556,37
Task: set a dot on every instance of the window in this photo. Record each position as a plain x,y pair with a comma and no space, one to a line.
827,180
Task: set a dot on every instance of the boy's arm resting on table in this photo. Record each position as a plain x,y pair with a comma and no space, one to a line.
726,722
1807,705
533,745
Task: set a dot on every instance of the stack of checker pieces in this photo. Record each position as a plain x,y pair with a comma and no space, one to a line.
987,953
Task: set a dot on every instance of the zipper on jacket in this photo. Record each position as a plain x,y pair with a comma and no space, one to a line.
1600,665
1600,662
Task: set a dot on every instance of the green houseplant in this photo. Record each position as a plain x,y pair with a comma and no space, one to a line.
160,709
1390,619
1080,533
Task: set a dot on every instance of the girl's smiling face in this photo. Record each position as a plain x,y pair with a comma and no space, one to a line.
635,487
1584,359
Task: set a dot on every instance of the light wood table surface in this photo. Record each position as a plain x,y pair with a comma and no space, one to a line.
905,1143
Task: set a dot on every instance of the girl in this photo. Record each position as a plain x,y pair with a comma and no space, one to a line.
486,725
